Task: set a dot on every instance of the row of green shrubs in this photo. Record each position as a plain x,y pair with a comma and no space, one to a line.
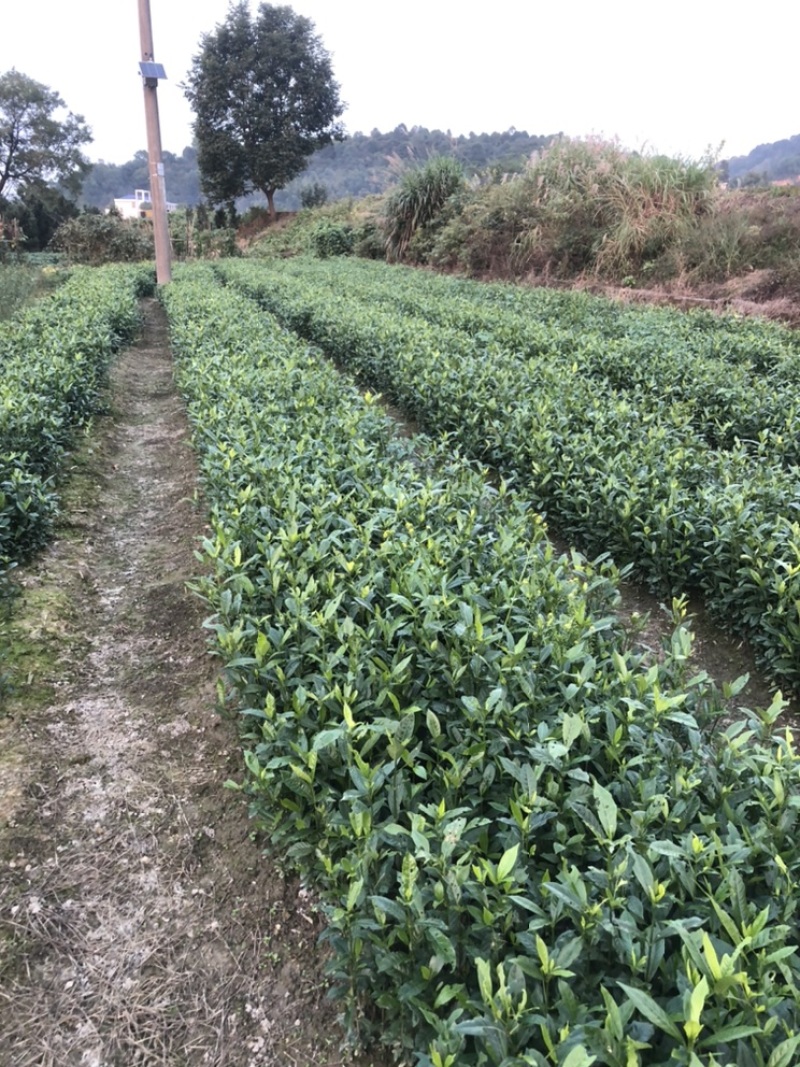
733,379
535,848
53,363
617,472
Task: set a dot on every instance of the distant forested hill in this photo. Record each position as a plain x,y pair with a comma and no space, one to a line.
358,166
781,159
106,181
363,163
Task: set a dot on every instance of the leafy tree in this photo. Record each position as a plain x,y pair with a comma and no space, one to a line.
35,146
313,195
264,97
39,210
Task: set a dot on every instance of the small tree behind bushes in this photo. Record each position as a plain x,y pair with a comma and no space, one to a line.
199,233
313,195
36,212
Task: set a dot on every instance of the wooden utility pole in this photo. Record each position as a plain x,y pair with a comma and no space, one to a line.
158,193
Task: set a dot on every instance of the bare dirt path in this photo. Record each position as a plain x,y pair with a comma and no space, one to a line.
139,924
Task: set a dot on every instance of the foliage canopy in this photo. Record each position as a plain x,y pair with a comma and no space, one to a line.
36,148
264,97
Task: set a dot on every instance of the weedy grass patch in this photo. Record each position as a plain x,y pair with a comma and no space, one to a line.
536,848
17,283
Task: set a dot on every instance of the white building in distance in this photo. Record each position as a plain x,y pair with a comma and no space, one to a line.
138,206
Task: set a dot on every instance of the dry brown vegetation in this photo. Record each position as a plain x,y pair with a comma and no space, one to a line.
591,214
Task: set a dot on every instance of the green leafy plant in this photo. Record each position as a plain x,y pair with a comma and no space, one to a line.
17,283
96,239
264,98
313,195
419,197
331,239
682,467
532,847
54,363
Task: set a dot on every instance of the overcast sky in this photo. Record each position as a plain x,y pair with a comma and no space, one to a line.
676,77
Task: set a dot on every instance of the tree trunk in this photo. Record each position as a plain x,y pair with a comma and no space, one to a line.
273,214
